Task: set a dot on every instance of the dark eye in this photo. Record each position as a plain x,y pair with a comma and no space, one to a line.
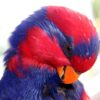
69,48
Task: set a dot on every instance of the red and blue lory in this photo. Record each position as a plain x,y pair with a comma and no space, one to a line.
48,52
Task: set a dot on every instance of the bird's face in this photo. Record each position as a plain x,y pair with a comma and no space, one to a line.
81,57
80,44
81,52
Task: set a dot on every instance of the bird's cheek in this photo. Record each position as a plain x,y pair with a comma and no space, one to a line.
67,74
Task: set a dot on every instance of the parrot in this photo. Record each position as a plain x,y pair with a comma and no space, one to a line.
48,52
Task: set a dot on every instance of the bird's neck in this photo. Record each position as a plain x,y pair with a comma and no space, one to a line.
38,84
35,81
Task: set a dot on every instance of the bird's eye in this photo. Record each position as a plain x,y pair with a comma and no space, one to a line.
69,48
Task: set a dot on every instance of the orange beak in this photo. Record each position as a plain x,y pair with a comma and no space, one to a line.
67,74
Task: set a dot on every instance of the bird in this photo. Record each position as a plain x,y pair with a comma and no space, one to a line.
48,52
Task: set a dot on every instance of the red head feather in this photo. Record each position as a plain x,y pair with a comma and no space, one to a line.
83,33
46,37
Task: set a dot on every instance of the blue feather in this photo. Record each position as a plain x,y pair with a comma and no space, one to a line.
38,84
87,49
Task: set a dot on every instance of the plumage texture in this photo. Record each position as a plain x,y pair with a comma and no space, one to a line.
50,38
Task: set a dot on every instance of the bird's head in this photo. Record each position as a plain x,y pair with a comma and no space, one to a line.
56,37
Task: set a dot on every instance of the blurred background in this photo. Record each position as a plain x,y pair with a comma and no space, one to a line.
12,12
